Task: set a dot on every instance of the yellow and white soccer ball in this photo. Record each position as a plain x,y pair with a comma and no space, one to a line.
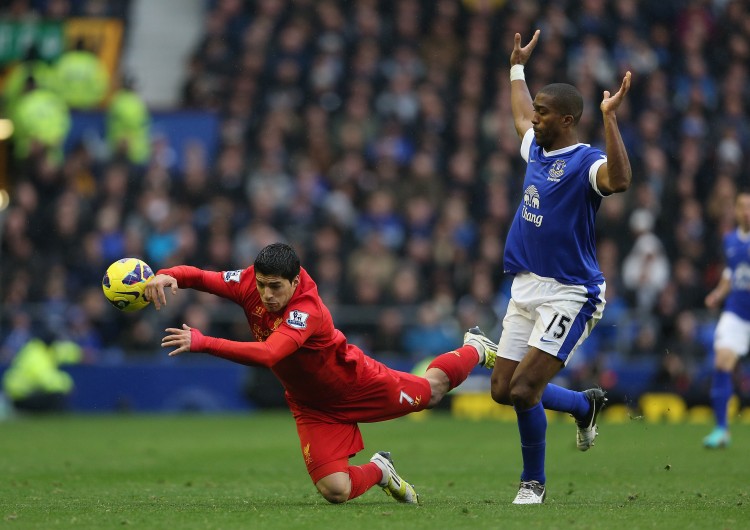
125,282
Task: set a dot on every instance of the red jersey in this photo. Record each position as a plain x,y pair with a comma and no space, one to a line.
325,367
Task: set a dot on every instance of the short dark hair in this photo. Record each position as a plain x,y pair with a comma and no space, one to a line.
278,259
567,99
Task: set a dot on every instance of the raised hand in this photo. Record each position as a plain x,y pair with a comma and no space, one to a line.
179,339
520,55
155,289
612,103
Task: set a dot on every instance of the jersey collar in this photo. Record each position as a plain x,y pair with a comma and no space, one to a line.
563,150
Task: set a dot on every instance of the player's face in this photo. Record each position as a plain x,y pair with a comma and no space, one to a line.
546,121
742,211
275,291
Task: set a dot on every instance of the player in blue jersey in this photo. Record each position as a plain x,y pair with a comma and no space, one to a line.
557,295
732,335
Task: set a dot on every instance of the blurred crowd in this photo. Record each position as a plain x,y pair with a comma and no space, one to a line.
376,137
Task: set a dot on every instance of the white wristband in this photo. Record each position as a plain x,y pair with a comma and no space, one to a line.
516,73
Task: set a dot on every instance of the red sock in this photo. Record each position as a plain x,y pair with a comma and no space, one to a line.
457,364
363,478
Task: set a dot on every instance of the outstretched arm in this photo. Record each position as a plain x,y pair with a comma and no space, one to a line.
615,175
265,353
520,99
185,276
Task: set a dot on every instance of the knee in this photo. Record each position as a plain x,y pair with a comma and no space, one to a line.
439,385
499,391
335,487
336,498
522,395
333,495
500,395
725,359
435,398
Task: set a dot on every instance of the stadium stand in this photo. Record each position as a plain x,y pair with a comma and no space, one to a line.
375,136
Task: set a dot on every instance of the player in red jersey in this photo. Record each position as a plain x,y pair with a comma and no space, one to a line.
330,385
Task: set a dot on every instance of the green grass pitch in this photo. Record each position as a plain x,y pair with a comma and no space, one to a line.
246,471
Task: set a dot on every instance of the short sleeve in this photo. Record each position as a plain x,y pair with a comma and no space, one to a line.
593,171
526,144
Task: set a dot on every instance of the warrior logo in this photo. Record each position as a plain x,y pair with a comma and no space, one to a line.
531,200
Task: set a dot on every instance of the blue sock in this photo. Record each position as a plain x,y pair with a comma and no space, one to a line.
532,426
721,392
565,400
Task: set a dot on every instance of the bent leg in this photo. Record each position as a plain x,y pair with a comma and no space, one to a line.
563,399
512,347
502,373
531,377
342,482
325,448
554,397
449,370
439,384
336,487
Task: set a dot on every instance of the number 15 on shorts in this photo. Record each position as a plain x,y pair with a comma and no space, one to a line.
558,326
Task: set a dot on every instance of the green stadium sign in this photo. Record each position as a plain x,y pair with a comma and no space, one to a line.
16,38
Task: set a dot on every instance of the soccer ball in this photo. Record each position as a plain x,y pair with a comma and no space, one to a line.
124,284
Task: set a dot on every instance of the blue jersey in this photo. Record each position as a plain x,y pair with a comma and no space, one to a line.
737,254
552,233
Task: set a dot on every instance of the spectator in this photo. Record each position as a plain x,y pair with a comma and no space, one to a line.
128,125
432,333
81,77
33,67
42,121
34,382
645,270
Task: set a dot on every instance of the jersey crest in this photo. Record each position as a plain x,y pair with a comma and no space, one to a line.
232,276
557,170
297,319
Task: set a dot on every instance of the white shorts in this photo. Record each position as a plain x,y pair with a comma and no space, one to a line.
732,333
549,315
